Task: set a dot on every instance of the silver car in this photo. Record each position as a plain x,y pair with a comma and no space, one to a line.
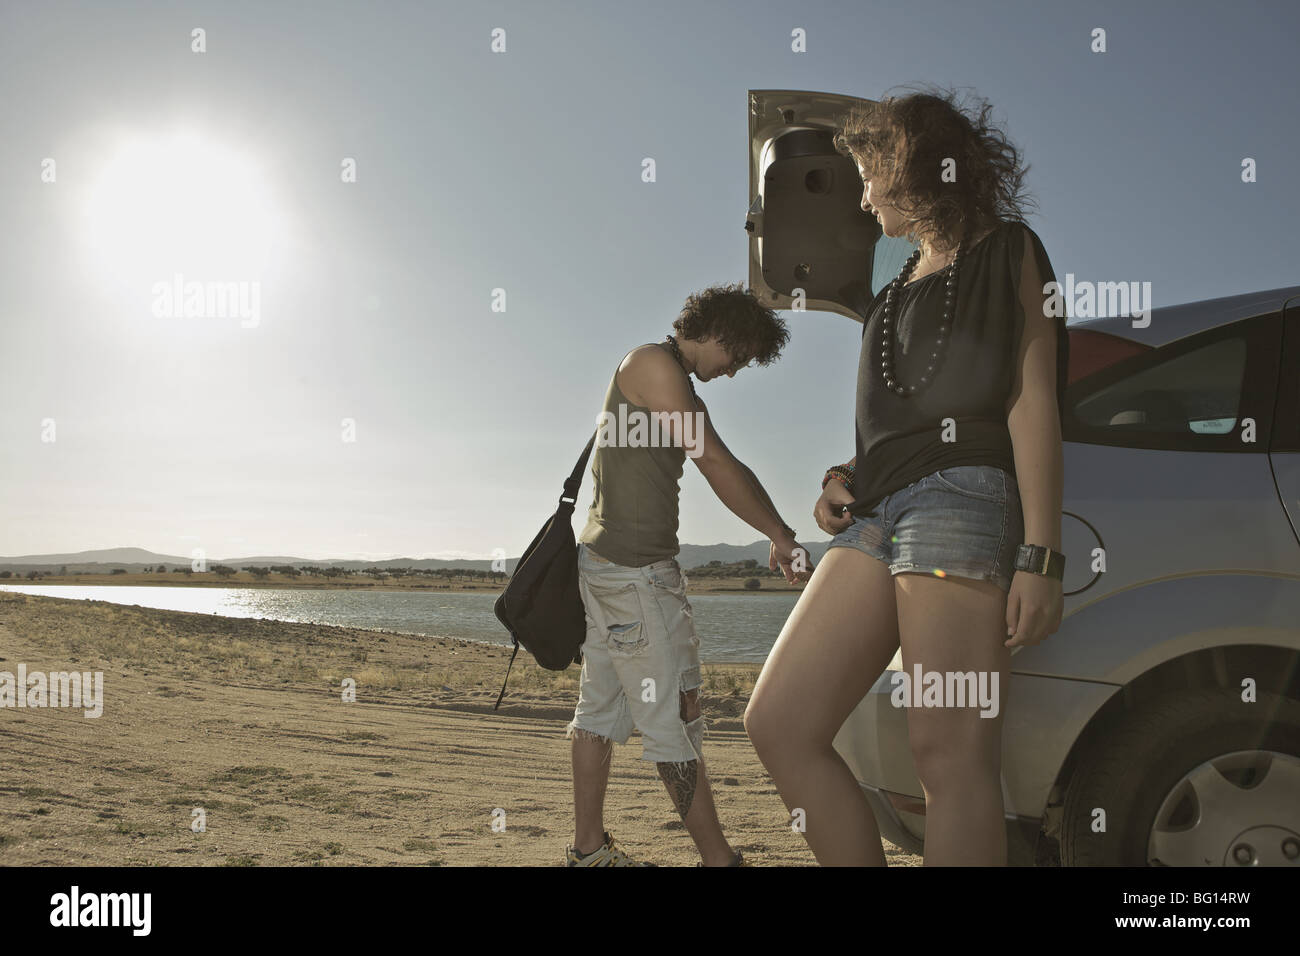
1160,724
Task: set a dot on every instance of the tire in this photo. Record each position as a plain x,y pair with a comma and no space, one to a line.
1244,809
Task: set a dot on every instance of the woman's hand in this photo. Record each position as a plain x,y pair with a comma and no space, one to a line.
829,512
1034,607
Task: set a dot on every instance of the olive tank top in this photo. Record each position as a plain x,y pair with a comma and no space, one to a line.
633,516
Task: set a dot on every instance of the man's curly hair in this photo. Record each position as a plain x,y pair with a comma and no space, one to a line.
903,143
734,316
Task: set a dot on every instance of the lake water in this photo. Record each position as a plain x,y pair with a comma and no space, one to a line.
730,627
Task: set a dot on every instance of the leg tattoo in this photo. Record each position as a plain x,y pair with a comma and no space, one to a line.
680,778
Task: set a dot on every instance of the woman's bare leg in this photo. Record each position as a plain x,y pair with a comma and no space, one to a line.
957,625
838,639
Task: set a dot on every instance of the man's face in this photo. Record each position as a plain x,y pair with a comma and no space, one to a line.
716,360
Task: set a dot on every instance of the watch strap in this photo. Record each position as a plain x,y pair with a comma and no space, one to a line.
1040,560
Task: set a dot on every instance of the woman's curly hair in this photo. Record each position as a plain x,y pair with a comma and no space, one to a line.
903,144
735,317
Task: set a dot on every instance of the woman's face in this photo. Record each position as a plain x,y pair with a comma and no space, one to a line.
890,219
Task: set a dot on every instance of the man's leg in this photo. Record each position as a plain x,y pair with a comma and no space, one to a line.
688,786
601,718
672,727
591,759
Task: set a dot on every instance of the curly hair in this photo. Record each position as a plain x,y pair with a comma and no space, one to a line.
903,144
735,317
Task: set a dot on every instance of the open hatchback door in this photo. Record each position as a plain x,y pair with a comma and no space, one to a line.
807,230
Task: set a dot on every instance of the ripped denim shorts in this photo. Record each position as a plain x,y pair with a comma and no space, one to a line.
640,656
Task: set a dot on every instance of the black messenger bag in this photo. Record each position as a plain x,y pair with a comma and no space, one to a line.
541,606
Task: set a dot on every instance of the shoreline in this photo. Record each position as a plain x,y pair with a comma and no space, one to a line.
506,645
241,581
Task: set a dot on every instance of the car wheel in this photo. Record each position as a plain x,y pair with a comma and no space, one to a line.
1194,778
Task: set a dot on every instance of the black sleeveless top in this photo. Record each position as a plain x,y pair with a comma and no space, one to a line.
900,440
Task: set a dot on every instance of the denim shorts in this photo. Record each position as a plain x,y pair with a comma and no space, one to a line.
964,521
640,655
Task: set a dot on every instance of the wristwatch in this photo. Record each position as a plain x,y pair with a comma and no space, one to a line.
1040,560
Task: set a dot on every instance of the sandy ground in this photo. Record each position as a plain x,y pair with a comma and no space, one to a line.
244,719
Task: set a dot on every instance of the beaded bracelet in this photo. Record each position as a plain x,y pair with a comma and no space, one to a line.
843,472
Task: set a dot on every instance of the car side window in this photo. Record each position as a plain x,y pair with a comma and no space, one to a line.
1210,391
1197,393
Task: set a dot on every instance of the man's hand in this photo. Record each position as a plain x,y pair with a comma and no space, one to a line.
791,557
829,511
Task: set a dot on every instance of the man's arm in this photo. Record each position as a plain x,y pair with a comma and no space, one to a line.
762,492
652,378
735,483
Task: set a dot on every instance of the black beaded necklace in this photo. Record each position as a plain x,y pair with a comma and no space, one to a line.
677,354
886,338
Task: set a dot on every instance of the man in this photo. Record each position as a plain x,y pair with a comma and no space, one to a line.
641,664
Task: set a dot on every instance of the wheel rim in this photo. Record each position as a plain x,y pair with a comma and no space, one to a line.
1237,809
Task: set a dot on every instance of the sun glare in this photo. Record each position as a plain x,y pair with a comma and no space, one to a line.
180,203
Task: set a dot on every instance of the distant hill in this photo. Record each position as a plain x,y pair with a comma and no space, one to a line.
696,555
136,559
121,556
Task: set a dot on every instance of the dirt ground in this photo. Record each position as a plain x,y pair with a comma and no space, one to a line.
245,720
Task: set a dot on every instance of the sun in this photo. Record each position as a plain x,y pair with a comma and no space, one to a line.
180,202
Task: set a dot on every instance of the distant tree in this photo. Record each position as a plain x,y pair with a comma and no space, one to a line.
63,569
6,574
260,573
119,570
753,584
749,563
288,570
223,571
33,575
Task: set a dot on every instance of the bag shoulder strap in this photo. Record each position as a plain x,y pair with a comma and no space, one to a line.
574,481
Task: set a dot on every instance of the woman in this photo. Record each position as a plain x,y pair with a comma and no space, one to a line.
960,385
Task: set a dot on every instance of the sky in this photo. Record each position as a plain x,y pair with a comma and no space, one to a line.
373,399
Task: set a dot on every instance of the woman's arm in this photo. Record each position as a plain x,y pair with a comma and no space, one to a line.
1033,418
